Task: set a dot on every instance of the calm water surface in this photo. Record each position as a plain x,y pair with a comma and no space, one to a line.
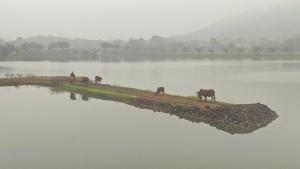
42,129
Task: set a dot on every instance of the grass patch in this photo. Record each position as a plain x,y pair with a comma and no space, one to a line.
100,92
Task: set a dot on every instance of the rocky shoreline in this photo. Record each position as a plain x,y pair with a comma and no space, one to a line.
234,119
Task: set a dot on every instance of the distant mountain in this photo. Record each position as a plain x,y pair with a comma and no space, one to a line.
277,23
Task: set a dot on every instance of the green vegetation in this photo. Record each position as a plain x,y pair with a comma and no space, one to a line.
98,92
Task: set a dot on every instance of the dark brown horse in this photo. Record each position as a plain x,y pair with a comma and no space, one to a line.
72,77
98,79
160,91
206,93
84,80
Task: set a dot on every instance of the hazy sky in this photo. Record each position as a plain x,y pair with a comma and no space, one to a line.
114,19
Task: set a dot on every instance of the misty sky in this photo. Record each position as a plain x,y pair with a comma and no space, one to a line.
116,19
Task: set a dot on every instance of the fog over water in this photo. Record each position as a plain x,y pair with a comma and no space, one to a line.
114,19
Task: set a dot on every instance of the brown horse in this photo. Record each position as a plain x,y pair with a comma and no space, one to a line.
160,91
98,79
84,80
206,93
72,77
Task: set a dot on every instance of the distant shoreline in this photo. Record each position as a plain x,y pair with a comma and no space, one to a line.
154,57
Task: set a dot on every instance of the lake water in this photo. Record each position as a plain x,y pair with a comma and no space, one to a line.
45,130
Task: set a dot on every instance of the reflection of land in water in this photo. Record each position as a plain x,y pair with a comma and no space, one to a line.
4,68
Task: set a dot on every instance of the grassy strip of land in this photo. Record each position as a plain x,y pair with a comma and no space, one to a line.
123,94
99,91
110,92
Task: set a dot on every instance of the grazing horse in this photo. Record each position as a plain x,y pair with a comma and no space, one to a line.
206,93
84,80
72,77
98,79
160,91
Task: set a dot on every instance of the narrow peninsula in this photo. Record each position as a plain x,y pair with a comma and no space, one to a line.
231,118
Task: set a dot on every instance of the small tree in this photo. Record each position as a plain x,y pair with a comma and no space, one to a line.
257,49
58,45
288,49
31,47
271,49
198,49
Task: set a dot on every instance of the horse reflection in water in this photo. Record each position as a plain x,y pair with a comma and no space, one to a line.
85,97
73,96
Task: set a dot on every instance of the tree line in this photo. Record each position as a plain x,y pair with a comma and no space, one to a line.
140,49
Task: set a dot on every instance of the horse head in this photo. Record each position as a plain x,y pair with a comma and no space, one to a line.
200,91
